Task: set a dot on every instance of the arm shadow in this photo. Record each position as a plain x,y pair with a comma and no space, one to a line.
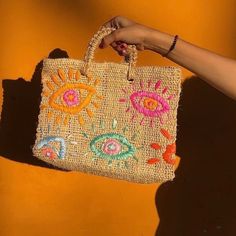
19,118
201,199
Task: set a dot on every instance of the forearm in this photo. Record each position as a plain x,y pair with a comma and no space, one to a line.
217,70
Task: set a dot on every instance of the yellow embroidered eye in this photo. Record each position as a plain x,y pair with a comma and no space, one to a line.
71,95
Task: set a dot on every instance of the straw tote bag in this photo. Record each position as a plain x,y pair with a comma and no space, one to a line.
109,119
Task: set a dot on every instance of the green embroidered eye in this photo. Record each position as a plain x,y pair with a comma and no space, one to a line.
112,146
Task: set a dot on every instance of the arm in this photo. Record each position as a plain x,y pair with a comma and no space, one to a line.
218,71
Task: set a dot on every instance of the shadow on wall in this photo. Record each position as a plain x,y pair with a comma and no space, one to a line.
21,100
201,199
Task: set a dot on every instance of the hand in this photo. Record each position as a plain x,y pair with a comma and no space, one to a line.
128,32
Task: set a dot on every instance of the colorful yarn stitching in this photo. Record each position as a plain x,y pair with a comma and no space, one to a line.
112,147
115,139
71,97
158,110
45,143
68,97
169,150
65,89
148,103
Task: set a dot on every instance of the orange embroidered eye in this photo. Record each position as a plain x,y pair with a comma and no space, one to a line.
71,94
72,98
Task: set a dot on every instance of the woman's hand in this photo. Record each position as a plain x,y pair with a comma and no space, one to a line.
128,32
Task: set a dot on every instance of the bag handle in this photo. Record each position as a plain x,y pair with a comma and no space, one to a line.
131,58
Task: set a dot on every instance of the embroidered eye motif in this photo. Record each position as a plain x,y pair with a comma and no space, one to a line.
71,96
150,104
52,147
112,146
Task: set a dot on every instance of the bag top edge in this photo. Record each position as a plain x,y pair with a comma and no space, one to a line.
47,61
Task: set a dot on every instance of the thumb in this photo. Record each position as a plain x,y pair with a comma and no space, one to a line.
109,39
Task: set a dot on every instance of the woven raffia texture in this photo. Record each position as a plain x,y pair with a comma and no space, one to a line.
105,125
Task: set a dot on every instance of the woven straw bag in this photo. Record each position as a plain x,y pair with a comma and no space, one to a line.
110,119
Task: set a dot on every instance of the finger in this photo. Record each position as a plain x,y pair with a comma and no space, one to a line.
107,24
123,46
114,44
140,47
119,47
109,39
112,23
123,52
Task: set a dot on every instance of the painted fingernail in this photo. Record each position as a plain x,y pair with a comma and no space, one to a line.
122,46
123,52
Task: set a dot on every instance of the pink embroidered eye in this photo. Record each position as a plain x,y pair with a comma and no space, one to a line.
112,147
149,103
71,97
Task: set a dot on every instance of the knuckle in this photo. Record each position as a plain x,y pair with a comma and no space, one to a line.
116,34
105,40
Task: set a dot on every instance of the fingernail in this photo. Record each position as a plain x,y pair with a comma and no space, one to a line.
124,52
122,46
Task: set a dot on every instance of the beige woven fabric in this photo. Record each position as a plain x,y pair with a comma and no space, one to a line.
103,124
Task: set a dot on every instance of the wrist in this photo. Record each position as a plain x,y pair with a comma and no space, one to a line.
158,41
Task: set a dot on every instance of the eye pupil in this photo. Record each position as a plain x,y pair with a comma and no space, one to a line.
150,103
112,147
71,97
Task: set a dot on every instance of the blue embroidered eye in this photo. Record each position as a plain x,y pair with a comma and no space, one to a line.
112,146
49,150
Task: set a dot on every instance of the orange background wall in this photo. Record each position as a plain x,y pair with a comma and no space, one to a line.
41,201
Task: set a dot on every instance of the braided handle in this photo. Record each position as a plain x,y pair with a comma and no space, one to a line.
131,58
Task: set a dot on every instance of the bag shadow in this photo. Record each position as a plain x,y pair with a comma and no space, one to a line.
19,117
201,199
